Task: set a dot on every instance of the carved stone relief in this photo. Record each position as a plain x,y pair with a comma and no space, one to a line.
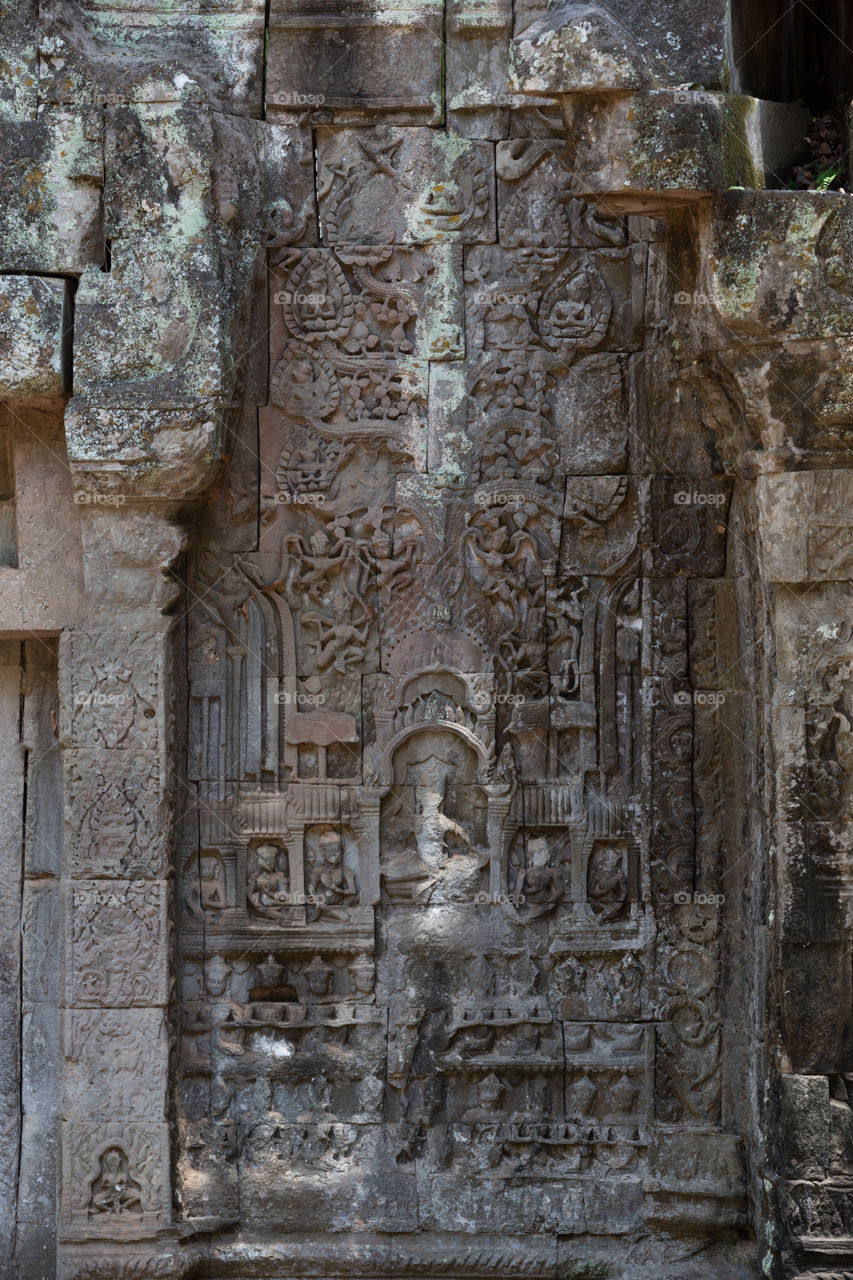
424,489
435,962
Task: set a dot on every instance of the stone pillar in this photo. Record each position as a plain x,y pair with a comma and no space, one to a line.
117,718
11,843
773,383
155,367
807,539
40,591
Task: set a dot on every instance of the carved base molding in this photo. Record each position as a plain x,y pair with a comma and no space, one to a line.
461,1257
159,1261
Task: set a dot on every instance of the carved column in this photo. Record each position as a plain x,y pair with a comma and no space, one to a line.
40,591
117,715
11,843
773,387
157,350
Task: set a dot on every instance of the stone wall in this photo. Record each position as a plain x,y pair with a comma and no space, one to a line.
425,648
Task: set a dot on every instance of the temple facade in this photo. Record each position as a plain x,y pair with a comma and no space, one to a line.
426,642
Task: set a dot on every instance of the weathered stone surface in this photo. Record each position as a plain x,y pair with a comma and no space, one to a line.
10,972
42,570
448,183
34,320
345,62
779,264
417,896
577,48
638,150
116,952
807,525
112,52
18,75
425,649
477,66
111,701
805,1108
154,361
51,187
112,1170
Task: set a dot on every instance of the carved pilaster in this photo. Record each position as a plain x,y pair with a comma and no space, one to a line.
117,737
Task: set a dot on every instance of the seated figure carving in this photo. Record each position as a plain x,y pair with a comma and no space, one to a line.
114,1190
268,886
539,887
608,884
204,890
331,885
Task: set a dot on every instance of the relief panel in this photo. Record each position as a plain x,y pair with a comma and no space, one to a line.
443,966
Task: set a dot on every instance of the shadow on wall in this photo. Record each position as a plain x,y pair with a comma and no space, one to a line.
787,52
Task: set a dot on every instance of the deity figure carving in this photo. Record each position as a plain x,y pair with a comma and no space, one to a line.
362,973
442,723
318,977
204,889
608,884
538,886
340,641
225,1014
490,1092
576,310
392,571
330,883
444,847
114,1191
268,883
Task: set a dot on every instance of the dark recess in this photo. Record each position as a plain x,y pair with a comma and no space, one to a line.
787,52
